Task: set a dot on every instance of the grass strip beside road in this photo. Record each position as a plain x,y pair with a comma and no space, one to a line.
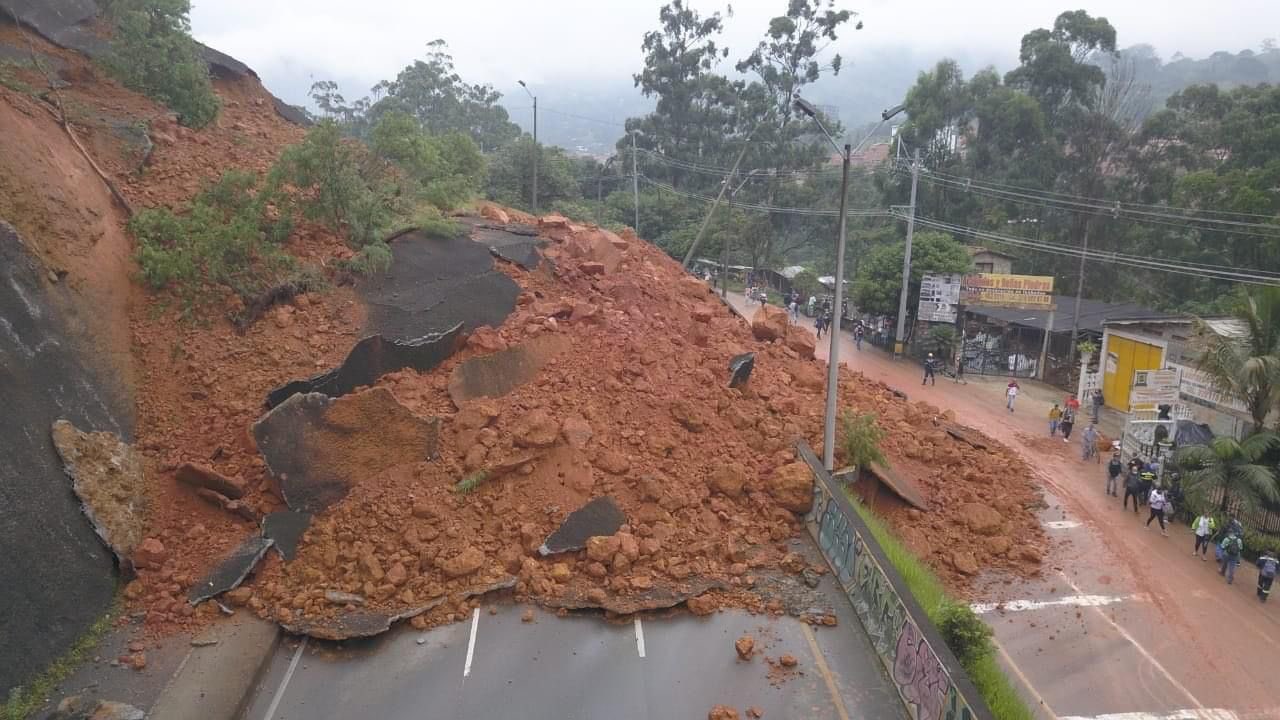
24,700
985,672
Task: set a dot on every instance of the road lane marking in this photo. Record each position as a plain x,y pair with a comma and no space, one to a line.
1026,682
1062,524
471,644
284,683
639,637
1149,657
827,677
1205,714
1077,600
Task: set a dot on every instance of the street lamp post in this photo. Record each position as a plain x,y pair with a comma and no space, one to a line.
537,152
833,355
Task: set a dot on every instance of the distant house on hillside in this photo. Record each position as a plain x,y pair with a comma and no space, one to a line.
986,260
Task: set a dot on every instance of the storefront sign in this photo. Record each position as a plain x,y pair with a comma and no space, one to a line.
1019,291
939,295
1197,385
1154,387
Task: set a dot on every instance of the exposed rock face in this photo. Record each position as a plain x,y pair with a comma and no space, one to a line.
802,341
107,475
318,448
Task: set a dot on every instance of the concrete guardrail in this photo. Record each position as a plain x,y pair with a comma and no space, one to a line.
932,683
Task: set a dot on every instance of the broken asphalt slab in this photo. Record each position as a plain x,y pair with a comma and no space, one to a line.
434,284
517,244
318,447
373,357
228,574
740,368
601,516
655,598
499,373
107,475
284,529
357,623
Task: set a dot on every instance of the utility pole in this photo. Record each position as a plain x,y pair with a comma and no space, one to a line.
906,259
635,181
1075,317
833,355
537,151
724,186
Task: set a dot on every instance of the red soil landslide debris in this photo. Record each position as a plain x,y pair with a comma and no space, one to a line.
636,407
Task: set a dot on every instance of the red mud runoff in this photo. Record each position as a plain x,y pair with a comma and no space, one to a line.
636,407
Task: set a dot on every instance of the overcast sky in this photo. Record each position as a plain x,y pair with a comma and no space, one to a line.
291,42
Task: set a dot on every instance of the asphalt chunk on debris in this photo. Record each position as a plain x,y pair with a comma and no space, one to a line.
284,529
740,368
228,574
601,516
373,357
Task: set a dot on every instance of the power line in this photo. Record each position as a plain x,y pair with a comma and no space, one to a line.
1178,267
812,212
1111,208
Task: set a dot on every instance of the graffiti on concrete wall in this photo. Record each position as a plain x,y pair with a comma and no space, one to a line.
917,670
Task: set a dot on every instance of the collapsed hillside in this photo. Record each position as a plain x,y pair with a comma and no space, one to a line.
625,366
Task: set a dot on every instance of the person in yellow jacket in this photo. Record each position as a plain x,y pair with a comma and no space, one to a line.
1204,527
1055,416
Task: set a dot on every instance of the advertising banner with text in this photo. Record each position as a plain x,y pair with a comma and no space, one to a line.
1026,291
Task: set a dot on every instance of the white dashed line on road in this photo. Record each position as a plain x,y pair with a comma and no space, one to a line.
639,638
284,683
1205,714
1077,600
471,644
1062,524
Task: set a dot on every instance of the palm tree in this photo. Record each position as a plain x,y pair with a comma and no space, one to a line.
1232,466
1248,368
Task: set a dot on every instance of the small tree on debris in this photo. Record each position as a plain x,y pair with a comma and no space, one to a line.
860,438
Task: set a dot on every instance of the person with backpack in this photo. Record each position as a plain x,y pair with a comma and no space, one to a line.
1114,468
1089,443
1132,486
1156,502
858,332
1267,567
1232,548
1011,394
1203,527
1068,421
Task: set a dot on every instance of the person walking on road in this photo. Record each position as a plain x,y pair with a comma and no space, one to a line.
1156,502
1055,416
1096,405
1114,468
857,336
1232,548
1068,421
1267,567
1089,443
819,324
1203,527
1132,486
959,376
930,366
1011,394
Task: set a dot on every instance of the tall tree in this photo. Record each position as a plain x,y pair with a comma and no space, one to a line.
1248,368
1231,469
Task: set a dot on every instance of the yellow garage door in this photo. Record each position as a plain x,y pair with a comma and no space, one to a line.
1124,358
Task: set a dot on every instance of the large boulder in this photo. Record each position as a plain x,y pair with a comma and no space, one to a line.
769,323
981,519
802,341
791,486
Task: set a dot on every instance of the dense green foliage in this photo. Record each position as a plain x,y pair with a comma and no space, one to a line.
1231,467
879,281
152,51
511,175
1248,368
964,632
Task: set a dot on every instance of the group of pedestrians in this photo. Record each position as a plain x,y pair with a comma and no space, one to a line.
1141,485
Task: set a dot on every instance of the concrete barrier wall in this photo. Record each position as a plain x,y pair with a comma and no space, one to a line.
931,681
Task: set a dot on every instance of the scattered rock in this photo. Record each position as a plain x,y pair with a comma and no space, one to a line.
787,660
745,645
199,476
464,563
755,712
336,597
150,554
964,562
728,480
723,712
76,707
802,341
527,616
612,462
702,605
537,429
577,431
980,518
238,597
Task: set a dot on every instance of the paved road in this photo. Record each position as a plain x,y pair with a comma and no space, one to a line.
580,666
1124,624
